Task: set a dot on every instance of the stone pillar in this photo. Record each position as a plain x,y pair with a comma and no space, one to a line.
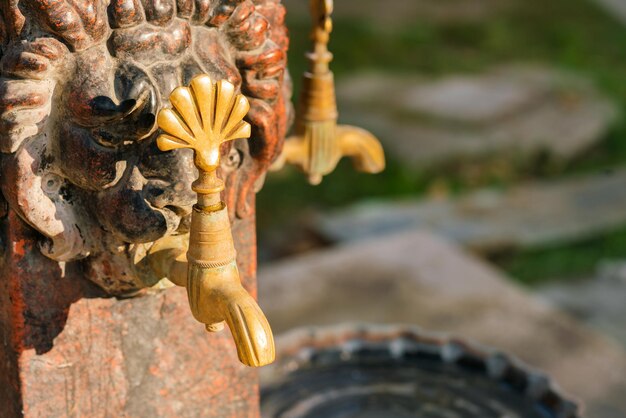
85,192
70,351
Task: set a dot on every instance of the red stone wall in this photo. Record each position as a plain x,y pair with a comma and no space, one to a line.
67,351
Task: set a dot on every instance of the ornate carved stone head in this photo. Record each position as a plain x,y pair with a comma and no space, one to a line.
81,84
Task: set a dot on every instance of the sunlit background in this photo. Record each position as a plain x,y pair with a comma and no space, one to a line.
505,133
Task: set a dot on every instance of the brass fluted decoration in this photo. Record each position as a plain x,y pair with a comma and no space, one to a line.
319,143
203,116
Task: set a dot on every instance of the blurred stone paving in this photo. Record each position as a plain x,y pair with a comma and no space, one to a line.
518,112
526,216
599,302
616,8
386,268
421,279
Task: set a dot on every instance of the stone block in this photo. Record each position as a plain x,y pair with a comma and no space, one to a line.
515,112
526,216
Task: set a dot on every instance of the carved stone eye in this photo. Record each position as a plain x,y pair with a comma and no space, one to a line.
51,184
232,161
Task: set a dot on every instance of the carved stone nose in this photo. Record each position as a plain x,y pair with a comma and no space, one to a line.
173,195
169,177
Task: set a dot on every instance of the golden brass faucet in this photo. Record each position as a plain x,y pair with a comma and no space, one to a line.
319,143
205,115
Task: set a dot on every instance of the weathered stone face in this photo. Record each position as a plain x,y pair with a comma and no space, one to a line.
81,85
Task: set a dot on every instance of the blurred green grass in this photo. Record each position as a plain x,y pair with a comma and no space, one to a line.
574,35
564,262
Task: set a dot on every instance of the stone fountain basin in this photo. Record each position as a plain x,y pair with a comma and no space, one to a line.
401,372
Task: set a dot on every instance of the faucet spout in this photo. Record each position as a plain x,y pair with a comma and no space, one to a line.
215,292
216,295
366,152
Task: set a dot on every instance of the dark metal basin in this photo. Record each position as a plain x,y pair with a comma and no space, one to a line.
399,372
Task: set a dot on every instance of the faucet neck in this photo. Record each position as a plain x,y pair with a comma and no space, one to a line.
209,187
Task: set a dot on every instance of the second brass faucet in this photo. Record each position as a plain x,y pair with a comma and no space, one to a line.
203,116
319,142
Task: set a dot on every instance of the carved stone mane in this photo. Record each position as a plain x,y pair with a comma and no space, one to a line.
81,82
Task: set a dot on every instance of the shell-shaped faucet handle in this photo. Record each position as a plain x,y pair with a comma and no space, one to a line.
204,115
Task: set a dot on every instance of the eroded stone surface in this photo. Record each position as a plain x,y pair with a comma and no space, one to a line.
516,112
142,357
420,279
526,216
67,350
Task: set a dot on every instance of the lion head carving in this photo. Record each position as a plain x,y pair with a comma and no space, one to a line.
81,83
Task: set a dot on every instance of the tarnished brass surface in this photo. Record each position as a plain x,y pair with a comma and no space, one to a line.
319,143
205,115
